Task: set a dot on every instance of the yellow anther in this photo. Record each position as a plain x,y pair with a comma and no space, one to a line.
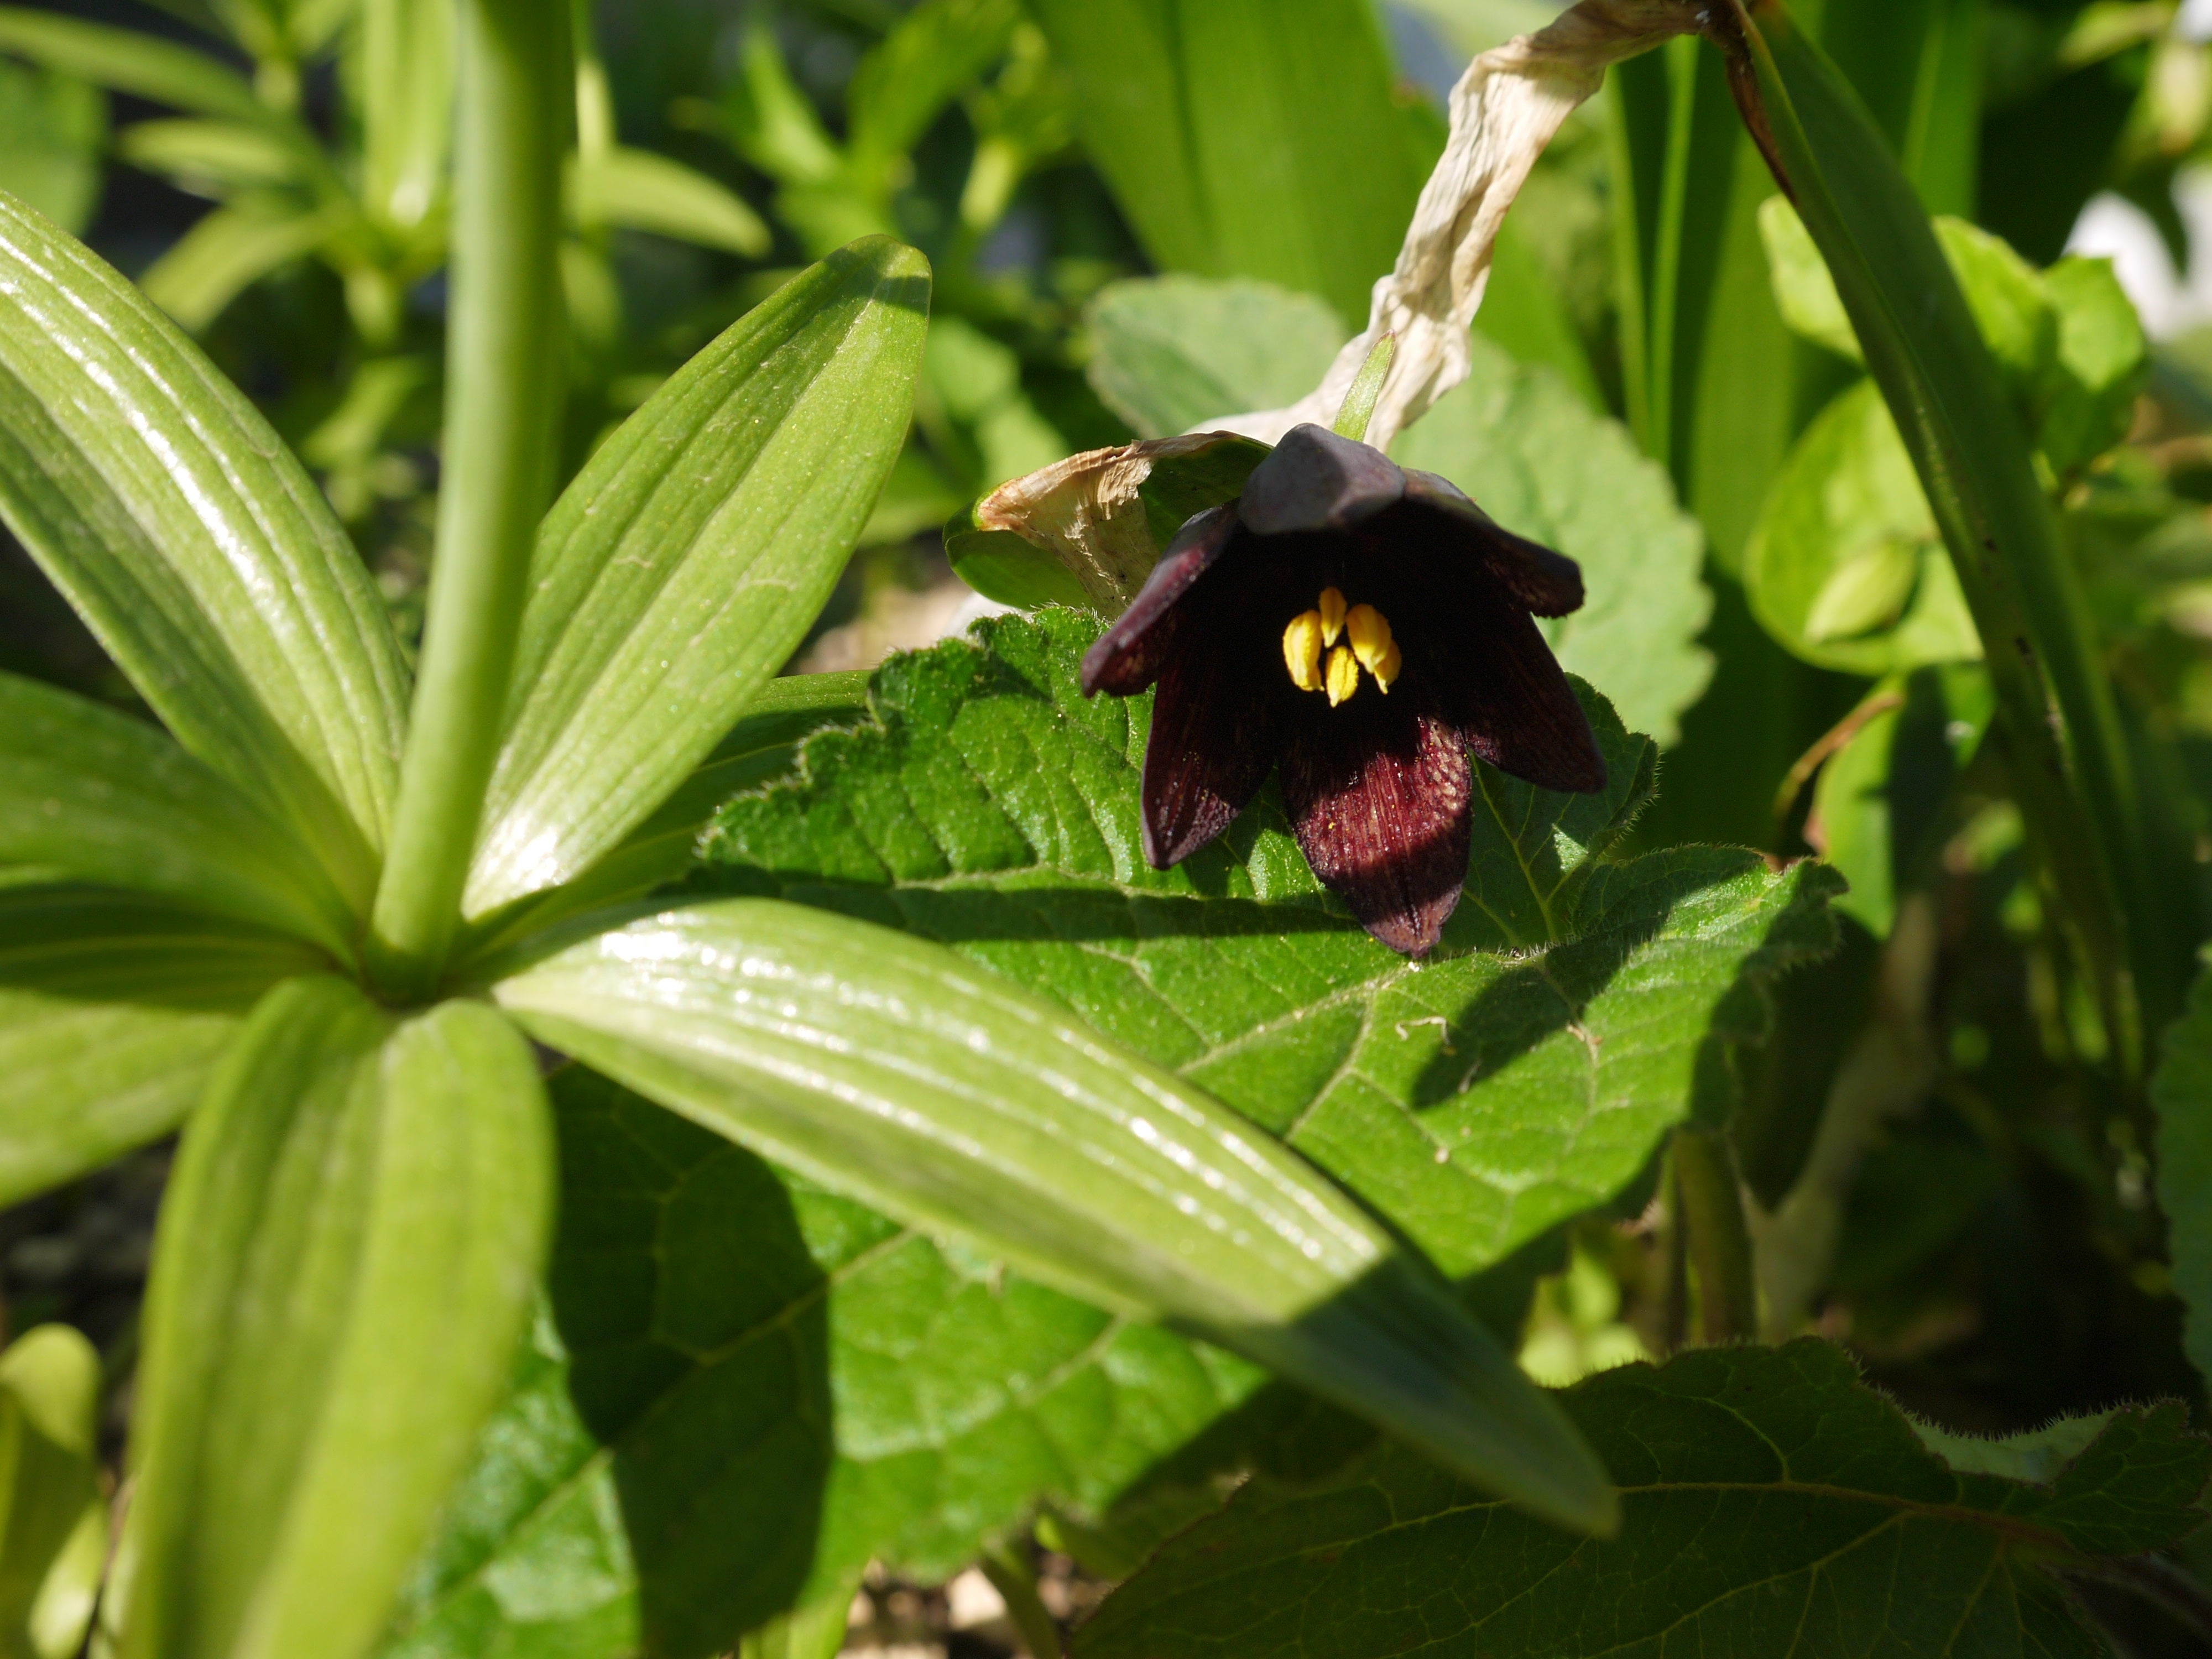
1332,615
1385,667
1372,644
1302,643
1343,675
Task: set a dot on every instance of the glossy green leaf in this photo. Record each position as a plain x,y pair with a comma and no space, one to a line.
1880,799
1519,1076
406,107
53,130
112,1008
1774,1506
1847,567
893,1069
903,1399
687,560
1543,463
2075,771
638,189
54,1523
1248,137
1172,353
2182,1093
130,60
107,799
198,549
758,749
343,1269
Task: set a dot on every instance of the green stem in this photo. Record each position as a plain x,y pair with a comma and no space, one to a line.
1711,1217
503,369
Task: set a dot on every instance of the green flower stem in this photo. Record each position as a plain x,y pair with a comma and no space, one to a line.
504,364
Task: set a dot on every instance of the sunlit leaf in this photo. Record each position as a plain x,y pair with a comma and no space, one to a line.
343,1268
53,128
112,1008
687,560
1173,353
894,1070
199,550
101,798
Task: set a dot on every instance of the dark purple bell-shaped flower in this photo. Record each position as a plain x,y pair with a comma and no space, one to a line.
1367,626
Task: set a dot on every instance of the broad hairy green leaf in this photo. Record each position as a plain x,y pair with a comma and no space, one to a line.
2182,1092
1250,137
687,560
1172,353
2075,773
111,800
198,549
1519,1076
1774,1506
112,1008
343,1268
53,1521
960,1102
720,1331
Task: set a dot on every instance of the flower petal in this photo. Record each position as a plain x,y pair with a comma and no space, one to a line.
1129,656
1212,741
1510,697
1547,583
1380,794
1316,480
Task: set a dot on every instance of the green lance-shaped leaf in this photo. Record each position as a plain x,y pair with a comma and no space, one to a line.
406,107
53,1525
684,564
642,191
1924,349
758,750
1773,1505
132,61
101,798
113,1006
2182,1092
343,1269
955,1100
200,551
235,246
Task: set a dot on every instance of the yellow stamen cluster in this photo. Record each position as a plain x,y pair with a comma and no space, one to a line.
1367,645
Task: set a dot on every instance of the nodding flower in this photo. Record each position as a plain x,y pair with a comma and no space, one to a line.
1368,628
